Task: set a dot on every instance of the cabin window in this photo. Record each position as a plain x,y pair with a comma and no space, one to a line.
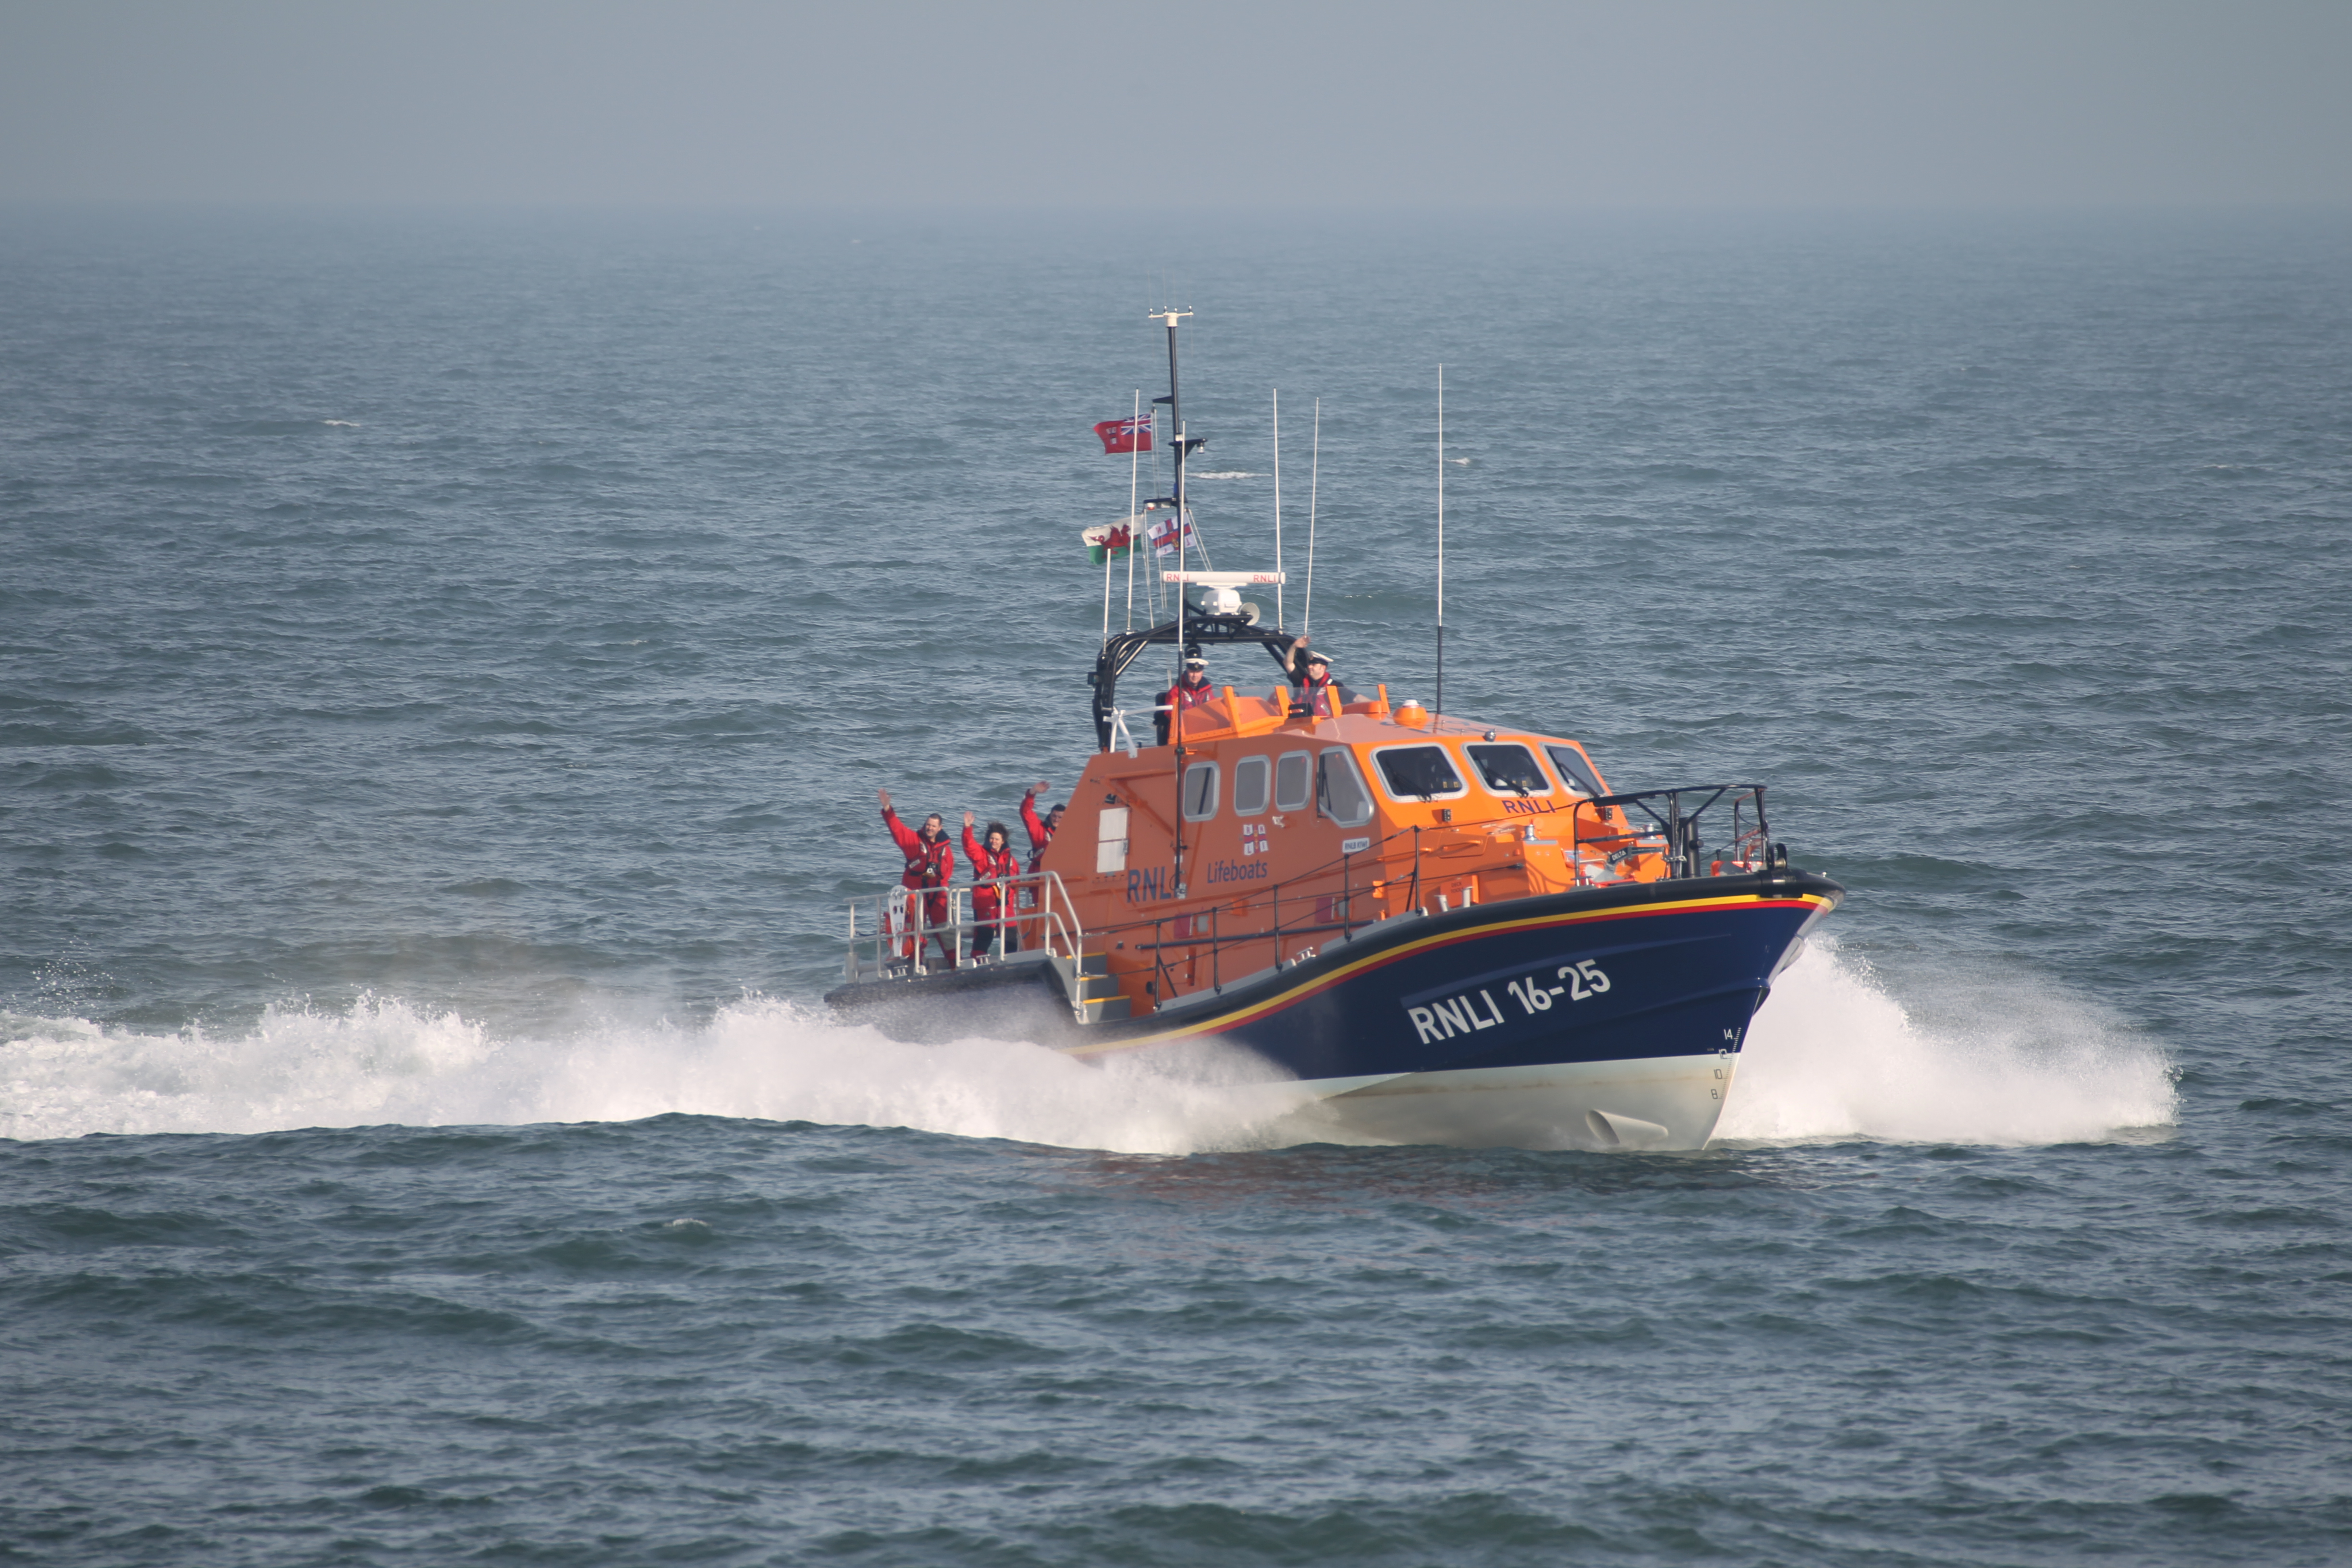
1110,840
1509,770
1418,773
1199,792
1575,770
1291,772
1252,776
1340,792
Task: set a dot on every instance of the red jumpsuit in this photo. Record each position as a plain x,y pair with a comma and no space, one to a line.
930,867
1039,834
988,874
1179,699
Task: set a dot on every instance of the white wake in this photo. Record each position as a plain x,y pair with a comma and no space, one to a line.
1832,1055
1971,1059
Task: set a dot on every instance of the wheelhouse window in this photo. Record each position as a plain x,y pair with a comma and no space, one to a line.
1575,770
1292,772
1252,777
1340,792
1418,773
1509,770
1199,792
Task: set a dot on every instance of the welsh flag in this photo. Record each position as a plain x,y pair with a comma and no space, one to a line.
1126,435
1164,534
1110,541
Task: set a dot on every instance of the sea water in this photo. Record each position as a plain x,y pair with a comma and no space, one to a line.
446,663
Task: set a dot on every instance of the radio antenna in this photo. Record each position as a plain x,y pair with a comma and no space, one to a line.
1314,474
1277,502
1439,709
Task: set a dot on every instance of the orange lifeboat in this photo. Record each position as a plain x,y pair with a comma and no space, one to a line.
1442,930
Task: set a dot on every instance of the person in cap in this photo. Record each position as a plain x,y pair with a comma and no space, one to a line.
1190,690
1312,690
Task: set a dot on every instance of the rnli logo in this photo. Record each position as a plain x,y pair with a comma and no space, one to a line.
1254,838
1148,886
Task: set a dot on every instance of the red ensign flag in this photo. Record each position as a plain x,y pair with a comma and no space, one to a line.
1126,435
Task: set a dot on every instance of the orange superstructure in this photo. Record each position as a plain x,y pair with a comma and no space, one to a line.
1254,836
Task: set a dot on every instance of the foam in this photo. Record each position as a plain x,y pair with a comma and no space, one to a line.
1832,1057
386,1062
1998,1060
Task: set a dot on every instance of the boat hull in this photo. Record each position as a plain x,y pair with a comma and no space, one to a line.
1597,1019
1649,1104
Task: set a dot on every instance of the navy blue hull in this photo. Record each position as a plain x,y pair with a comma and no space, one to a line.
1664,969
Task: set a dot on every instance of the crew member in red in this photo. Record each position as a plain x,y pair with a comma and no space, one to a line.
1190,690
930,867
1311,687
1041,833
992,867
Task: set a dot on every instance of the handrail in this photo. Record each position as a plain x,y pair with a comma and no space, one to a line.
1676,830
889,936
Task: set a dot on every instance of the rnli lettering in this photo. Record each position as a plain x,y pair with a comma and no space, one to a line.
1152,885
1528,807
1455,1015
1463,1015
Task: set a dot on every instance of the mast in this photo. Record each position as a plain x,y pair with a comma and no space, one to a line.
1171,315
1439,710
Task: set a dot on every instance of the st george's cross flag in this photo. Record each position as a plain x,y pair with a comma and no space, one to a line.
1126,435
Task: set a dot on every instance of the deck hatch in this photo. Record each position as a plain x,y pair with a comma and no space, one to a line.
1110,840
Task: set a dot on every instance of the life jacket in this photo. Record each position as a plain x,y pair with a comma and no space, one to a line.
1320,698
1181,696
929,865
1177,700
991,869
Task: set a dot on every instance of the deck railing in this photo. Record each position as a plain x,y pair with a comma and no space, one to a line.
1672,829
891,935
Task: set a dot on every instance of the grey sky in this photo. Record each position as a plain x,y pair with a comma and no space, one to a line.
1117,104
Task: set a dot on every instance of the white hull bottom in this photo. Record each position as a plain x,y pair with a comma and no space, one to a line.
1654,1104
